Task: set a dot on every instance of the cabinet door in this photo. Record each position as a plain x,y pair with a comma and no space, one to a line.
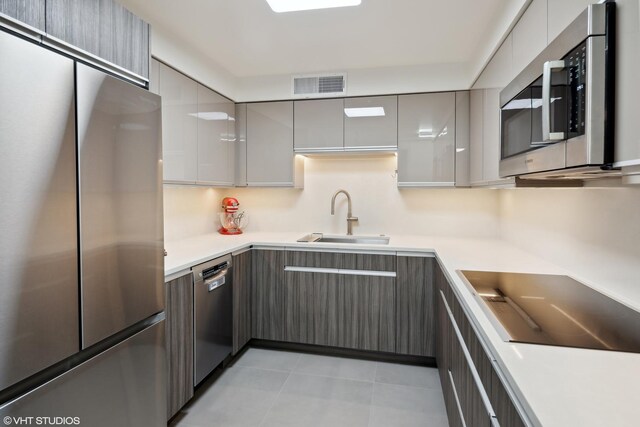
179,342
103,28
367,312
506,411
311,298
371,122
241,300
270,144
426,139
318,125
215,151
31,12
415,317
267,292
476,161
179,126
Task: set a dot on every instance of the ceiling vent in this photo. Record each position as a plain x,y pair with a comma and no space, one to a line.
308,86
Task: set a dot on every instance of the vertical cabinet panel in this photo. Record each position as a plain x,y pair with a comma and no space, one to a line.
179,125
491,135
241,300
318,125
415,317
102,28
241,145
270,144
215,148
179,342
267,295
31,12
476,161
426,139
371,122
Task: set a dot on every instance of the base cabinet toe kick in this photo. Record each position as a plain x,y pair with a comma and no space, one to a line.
377,304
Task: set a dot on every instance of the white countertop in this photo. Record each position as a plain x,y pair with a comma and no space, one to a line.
557,386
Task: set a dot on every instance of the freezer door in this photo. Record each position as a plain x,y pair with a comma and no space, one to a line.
123,386
121,231
38,225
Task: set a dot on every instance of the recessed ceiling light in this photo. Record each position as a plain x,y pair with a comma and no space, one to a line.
295,5
364,112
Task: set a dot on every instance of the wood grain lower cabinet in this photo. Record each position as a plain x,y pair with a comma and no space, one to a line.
267,294
415,317
179,342
334,308
473,391
241,300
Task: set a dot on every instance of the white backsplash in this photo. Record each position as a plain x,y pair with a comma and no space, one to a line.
381,207
594,233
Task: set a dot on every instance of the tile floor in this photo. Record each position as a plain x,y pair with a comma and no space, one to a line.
282,388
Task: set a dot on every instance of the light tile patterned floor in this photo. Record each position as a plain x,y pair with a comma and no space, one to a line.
280,388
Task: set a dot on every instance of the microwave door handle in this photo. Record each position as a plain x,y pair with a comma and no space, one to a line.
547,135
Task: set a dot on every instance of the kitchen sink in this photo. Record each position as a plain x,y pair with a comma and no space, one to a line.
366,240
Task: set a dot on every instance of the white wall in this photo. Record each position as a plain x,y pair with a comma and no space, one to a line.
592,232
169,49
369,81
381,207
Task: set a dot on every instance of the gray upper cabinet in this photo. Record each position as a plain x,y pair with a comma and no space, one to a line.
30,12
426,139
215,133
270,159
371,123
318,125
179,125
241,145
103,28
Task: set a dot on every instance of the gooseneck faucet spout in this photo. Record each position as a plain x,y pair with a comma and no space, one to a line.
350,219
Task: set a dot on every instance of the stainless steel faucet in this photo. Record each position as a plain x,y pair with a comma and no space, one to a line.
350,219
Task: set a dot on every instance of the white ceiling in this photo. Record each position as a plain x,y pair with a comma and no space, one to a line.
248,39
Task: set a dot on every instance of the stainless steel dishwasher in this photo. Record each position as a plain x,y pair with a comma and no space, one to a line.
213,331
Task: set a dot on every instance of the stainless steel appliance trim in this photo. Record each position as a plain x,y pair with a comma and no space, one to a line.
456,398
548,68
469,359
548,158
21,28
94,60
342,271
502,332
590,22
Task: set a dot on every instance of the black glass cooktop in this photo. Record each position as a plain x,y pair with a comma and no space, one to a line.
554,310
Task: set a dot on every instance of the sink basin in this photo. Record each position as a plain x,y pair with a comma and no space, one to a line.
366,240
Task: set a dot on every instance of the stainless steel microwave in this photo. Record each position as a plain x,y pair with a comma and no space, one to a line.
557,115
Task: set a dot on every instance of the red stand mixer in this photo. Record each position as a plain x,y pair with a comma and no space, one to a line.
232,221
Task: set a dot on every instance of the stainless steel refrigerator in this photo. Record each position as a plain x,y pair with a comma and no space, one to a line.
81,242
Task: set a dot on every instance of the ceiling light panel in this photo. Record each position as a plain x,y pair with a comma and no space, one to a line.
296,5
364,112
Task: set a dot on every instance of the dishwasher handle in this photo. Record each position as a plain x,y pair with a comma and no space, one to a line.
216,281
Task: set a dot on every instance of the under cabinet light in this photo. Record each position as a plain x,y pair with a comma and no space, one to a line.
296,5
364,112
